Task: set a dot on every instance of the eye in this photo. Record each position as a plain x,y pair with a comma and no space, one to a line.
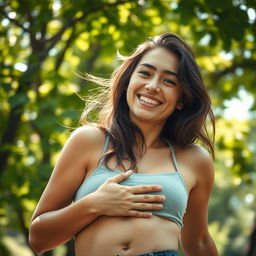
144,73
169,82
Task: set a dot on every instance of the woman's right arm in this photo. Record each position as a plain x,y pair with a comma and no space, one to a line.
56,220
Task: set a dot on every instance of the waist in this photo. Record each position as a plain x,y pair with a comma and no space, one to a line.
127,236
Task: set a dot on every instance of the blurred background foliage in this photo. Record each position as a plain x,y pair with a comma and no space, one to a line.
45,43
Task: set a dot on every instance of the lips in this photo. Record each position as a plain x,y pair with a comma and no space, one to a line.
149,100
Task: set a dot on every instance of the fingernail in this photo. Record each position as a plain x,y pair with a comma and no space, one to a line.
163,197
129,172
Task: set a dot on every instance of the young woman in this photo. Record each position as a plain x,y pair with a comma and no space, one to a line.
136,184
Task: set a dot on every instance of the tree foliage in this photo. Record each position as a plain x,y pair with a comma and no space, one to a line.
45,43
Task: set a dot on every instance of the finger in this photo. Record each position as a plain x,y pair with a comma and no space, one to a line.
133,213
149,198
140,189
147,206
120,177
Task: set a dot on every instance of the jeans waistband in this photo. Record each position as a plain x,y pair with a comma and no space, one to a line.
161,253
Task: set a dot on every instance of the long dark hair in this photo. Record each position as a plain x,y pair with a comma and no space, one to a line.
183,127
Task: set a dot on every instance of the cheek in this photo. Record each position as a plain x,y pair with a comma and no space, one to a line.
129,94
172,98
131,89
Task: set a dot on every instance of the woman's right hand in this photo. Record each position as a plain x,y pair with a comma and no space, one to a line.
113,199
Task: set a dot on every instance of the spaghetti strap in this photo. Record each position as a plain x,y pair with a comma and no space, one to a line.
176,165
174,159
104,149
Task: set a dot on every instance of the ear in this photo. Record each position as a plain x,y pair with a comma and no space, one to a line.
179,105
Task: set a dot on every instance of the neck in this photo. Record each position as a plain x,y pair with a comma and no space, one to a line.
151,133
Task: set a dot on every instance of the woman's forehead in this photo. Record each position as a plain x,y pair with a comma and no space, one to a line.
161,58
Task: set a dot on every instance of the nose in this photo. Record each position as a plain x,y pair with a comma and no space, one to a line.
152,86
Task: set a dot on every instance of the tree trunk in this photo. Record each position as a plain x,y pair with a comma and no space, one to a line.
251,248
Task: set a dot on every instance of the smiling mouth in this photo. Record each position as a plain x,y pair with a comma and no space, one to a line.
150,101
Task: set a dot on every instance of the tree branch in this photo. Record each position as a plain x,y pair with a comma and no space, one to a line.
95,49
61,56
31,33
55,38
250,64
14,22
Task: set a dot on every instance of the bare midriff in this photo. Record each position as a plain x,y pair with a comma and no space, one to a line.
127,236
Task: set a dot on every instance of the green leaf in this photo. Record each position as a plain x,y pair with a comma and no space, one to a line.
18,100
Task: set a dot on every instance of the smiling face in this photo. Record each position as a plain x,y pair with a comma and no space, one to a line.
154,92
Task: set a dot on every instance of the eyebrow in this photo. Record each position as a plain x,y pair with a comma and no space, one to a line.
154,68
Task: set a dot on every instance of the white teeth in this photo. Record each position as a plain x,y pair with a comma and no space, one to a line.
150,101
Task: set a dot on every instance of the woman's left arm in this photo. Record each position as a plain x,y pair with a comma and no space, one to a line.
195,237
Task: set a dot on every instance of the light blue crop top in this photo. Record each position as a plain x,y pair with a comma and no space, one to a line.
173,187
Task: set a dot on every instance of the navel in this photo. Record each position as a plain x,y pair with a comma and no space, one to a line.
125,248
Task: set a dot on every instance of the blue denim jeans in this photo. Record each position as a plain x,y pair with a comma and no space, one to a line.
161,253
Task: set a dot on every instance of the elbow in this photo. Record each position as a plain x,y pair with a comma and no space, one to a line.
201,246
35,241
35,244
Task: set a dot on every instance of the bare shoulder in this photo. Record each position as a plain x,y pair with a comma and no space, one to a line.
199,153
84,142
201,163
88,135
